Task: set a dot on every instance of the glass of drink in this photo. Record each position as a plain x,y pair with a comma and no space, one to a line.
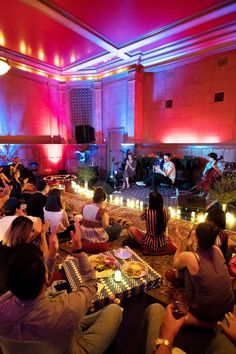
179,309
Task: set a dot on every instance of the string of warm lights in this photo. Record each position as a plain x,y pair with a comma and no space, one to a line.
61,78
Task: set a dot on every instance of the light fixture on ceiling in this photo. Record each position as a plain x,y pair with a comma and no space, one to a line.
4,66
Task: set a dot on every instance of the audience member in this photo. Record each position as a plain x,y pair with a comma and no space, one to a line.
159,330
3,179
95,223
129,170
155,239
27,312
15,182
13,208
37,201
56,215
208,289
19,234
8,169
217,216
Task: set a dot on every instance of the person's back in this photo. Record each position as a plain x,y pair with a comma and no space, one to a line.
91,228
6,255
209,292
29,314
35,205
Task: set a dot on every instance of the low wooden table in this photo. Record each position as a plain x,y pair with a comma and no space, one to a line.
112,290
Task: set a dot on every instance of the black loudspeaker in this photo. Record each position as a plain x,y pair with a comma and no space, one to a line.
191,201
105,186
84,134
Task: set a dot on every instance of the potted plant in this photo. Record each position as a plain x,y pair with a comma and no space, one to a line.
223,189
86,174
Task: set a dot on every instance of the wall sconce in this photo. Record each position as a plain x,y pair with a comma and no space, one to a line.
4,66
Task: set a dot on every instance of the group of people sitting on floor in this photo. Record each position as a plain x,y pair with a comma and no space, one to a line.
31,317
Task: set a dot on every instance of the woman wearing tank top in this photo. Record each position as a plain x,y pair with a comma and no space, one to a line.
208,289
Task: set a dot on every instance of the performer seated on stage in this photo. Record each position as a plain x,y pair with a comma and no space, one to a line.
166,175
159,162
130,170
213,169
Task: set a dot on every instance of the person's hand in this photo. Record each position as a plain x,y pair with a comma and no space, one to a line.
53,245
76,237
230,327
180,237
170,326
45,227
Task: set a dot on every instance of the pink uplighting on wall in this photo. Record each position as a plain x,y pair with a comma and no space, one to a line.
189,139
54,153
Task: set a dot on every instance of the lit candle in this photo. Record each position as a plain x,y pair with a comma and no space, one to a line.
132,203
141,204
137,203
121,200
73,184
117,275
111,197
178,212
128,202
201,217
193,214
230,219
86,184
172,212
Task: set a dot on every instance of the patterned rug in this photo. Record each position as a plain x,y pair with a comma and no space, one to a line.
127,217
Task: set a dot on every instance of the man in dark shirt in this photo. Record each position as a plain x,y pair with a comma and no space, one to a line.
37,201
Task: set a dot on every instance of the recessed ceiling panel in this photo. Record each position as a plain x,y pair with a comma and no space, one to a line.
26,30
125,20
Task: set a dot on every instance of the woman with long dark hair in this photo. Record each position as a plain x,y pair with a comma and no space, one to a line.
208,289
95,225
155,239
55,214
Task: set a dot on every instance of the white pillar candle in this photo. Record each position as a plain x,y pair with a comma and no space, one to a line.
86,184
128,202
193,214
141,204
117,275
132,203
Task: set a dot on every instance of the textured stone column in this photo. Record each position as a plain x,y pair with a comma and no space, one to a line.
135,105
97,118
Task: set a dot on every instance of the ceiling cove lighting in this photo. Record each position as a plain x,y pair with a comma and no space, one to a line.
4,66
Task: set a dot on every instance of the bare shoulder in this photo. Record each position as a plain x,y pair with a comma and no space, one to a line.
189,260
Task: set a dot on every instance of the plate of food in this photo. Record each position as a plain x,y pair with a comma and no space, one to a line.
123,253
104,265
134,269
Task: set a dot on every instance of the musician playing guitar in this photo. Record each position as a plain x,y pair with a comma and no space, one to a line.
213,168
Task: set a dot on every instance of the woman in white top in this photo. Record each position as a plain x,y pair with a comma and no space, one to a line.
95,223
56,215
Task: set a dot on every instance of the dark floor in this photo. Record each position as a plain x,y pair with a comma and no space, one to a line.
170,195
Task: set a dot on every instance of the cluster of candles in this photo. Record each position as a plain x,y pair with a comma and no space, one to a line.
82,190
117,200
175,213
130,203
